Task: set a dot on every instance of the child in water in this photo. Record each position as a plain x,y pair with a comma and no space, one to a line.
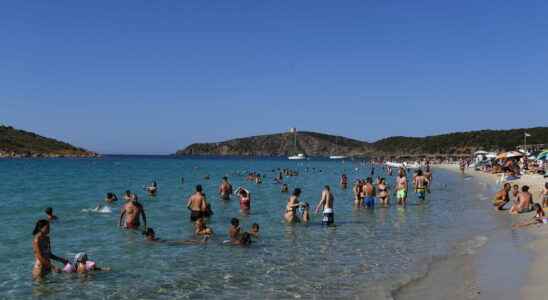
254,232
82,265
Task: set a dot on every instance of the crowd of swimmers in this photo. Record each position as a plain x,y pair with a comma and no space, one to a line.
133,215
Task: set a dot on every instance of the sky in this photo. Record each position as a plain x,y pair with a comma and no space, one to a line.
151,77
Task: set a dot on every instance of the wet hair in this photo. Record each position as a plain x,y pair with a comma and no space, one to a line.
225,178
128,193
235,222
296,192
327,187
110,195
255,225
48,210
39,225
419,172
525,188
243,193
199,188
149,232
245,239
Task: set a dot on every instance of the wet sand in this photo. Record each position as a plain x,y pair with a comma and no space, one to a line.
510,265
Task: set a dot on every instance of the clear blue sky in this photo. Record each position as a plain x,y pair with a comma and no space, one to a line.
155,76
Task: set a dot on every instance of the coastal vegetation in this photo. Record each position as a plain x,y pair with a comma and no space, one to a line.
19,143
319,144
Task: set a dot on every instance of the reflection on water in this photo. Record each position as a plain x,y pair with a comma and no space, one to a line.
368,251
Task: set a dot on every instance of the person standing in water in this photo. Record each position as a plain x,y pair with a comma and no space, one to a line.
132,211
245,200
428,175
326,203
49,213
369,192
344,181
420,183
42,251
401,188
382,190
225,189
197,204
291,209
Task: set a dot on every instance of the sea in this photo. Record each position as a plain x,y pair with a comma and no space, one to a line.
369,254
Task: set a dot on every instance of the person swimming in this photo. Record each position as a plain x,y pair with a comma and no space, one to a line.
285,188
254,232
152,189
81,264
110,198
43,255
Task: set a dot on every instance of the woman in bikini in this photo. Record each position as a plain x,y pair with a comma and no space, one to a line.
290,215
42,251
382,190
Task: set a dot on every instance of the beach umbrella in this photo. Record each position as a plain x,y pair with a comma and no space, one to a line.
543,155
511,154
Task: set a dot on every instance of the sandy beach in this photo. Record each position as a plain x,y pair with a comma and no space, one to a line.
500,269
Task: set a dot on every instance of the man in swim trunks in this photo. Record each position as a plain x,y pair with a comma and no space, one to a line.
401,188
369,193
326,202
502,197
197,204
132,211
420,184
225,189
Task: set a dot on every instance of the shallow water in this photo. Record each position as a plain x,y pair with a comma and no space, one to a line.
369,253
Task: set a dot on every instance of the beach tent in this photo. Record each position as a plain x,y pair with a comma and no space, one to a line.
491,155
543,155
511,154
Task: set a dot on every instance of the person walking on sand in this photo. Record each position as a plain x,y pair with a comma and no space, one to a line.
401,188
326,203
197,204
225,189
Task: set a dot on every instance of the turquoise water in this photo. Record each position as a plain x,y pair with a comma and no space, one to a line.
368,254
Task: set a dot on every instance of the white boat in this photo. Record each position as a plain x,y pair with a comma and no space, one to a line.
337,157
403,165
299,156
337,148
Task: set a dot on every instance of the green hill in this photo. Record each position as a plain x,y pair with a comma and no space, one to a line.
20,143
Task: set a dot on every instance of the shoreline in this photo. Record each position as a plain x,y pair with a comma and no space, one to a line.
479,274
